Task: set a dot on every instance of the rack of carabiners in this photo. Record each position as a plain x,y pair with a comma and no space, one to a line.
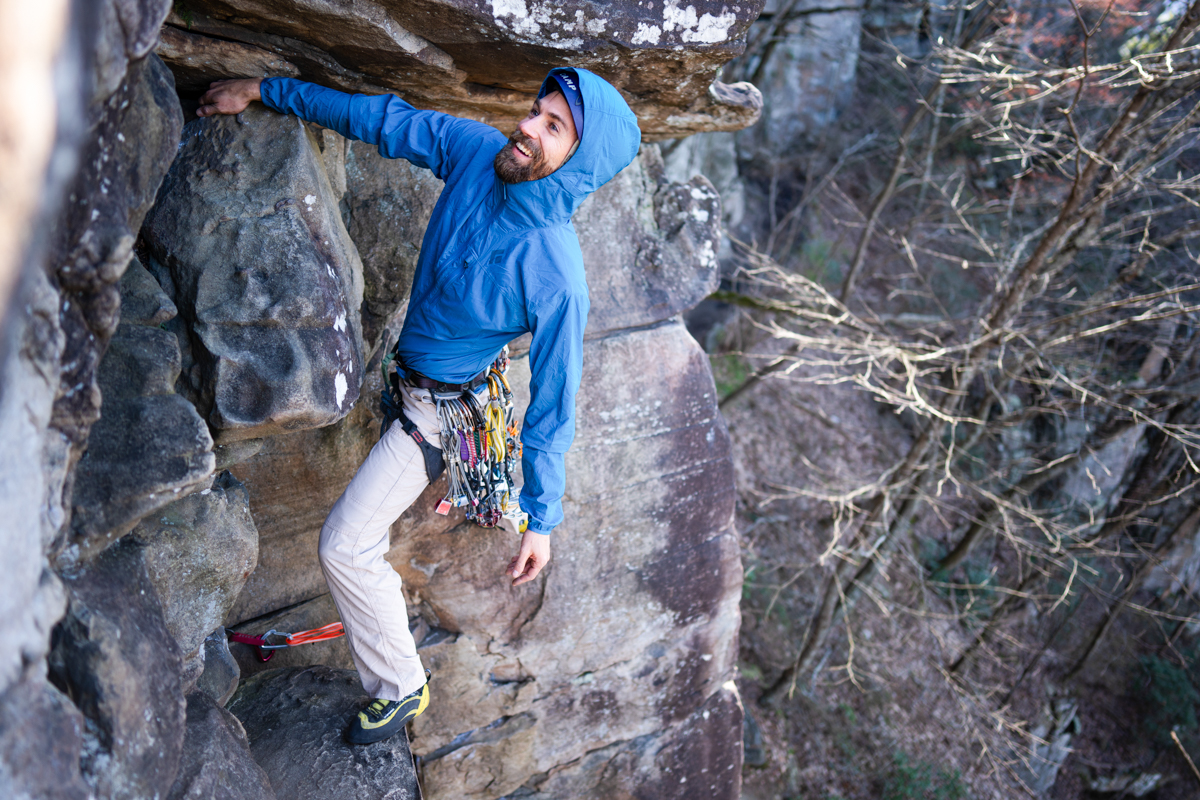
481,450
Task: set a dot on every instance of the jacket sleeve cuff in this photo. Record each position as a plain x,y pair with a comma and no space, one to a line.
541,497
271,91
536,527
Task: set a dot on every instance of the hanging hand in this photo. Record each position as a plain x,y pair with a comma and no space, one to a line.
534,555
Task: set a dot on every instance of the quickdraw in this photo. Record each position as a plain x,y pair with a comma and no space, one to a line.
266,649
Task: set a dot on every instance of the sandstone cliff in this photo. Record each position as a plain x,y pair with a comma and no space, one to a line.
192,323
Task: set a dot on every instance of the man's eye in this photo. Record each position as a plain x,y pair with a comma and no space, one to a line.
553,128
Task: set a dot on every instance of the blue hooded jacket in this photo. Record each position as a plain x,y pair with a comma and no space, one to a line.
498,260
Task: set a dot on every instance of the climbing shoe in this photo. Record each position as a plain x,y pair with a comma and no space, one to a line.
385,718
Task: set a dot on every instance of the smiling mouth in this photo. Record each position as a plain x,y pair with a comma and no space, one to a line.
520,148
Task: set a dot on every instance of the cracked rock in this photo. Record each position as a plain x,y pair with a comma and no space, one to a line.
296,719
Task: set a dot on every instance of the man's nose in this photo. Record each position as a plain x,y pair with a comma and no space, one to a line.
529,127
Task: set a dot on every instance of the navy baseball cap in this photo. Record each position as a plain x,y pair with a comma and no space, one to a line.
567,83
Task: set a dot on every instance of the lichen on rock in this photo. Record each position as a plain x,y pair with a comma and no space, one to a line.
664,55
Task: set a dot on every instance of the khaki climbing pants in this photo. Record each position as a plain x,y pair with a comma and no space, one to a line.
354,541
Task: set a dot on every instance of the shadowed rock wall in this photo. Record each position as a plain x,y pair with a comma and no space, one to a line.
66,175
179,429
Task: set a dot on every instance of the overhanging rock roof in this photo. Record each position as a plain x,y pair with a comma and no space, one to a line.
483,59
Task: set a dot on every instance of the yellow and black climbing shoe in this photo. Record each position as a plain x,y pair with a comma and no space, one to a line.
385,718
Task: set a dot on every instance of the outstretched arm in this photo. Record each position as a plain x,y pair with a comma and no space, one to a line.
229,97
426,138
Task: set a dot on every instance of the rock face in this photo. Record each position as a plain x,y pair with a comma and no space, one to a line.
715,157
40,743
125,476
540,677
128,32
217,763
198,553
134,142
632,626
664,260
631,632
296,720
116,658
699,757
48,345
264,274
244,335
32,475
443,54
293,482
130,646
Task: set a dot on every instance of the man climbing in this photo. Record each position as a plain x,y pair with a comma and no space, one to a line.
499,259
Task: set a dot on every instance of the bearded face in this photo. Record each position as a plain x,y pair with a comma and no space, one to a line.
522,159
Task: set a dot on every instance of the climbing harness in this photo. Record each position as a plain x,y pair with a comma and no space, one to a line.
266,649
480,448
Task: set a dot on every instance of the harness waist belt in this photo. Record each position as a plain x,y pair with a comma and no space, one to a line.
421,382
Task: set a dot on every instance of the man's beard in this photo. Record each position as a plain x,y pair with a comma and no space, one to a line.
511,170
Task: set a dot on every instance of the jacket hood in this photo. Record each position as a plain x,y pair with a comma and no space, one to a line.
609,143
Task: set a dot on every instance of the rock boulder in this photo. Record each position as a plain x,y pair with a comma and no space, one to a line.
221,673
217,764
40,744
149,447
247,233
198,552
296,720
118,661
